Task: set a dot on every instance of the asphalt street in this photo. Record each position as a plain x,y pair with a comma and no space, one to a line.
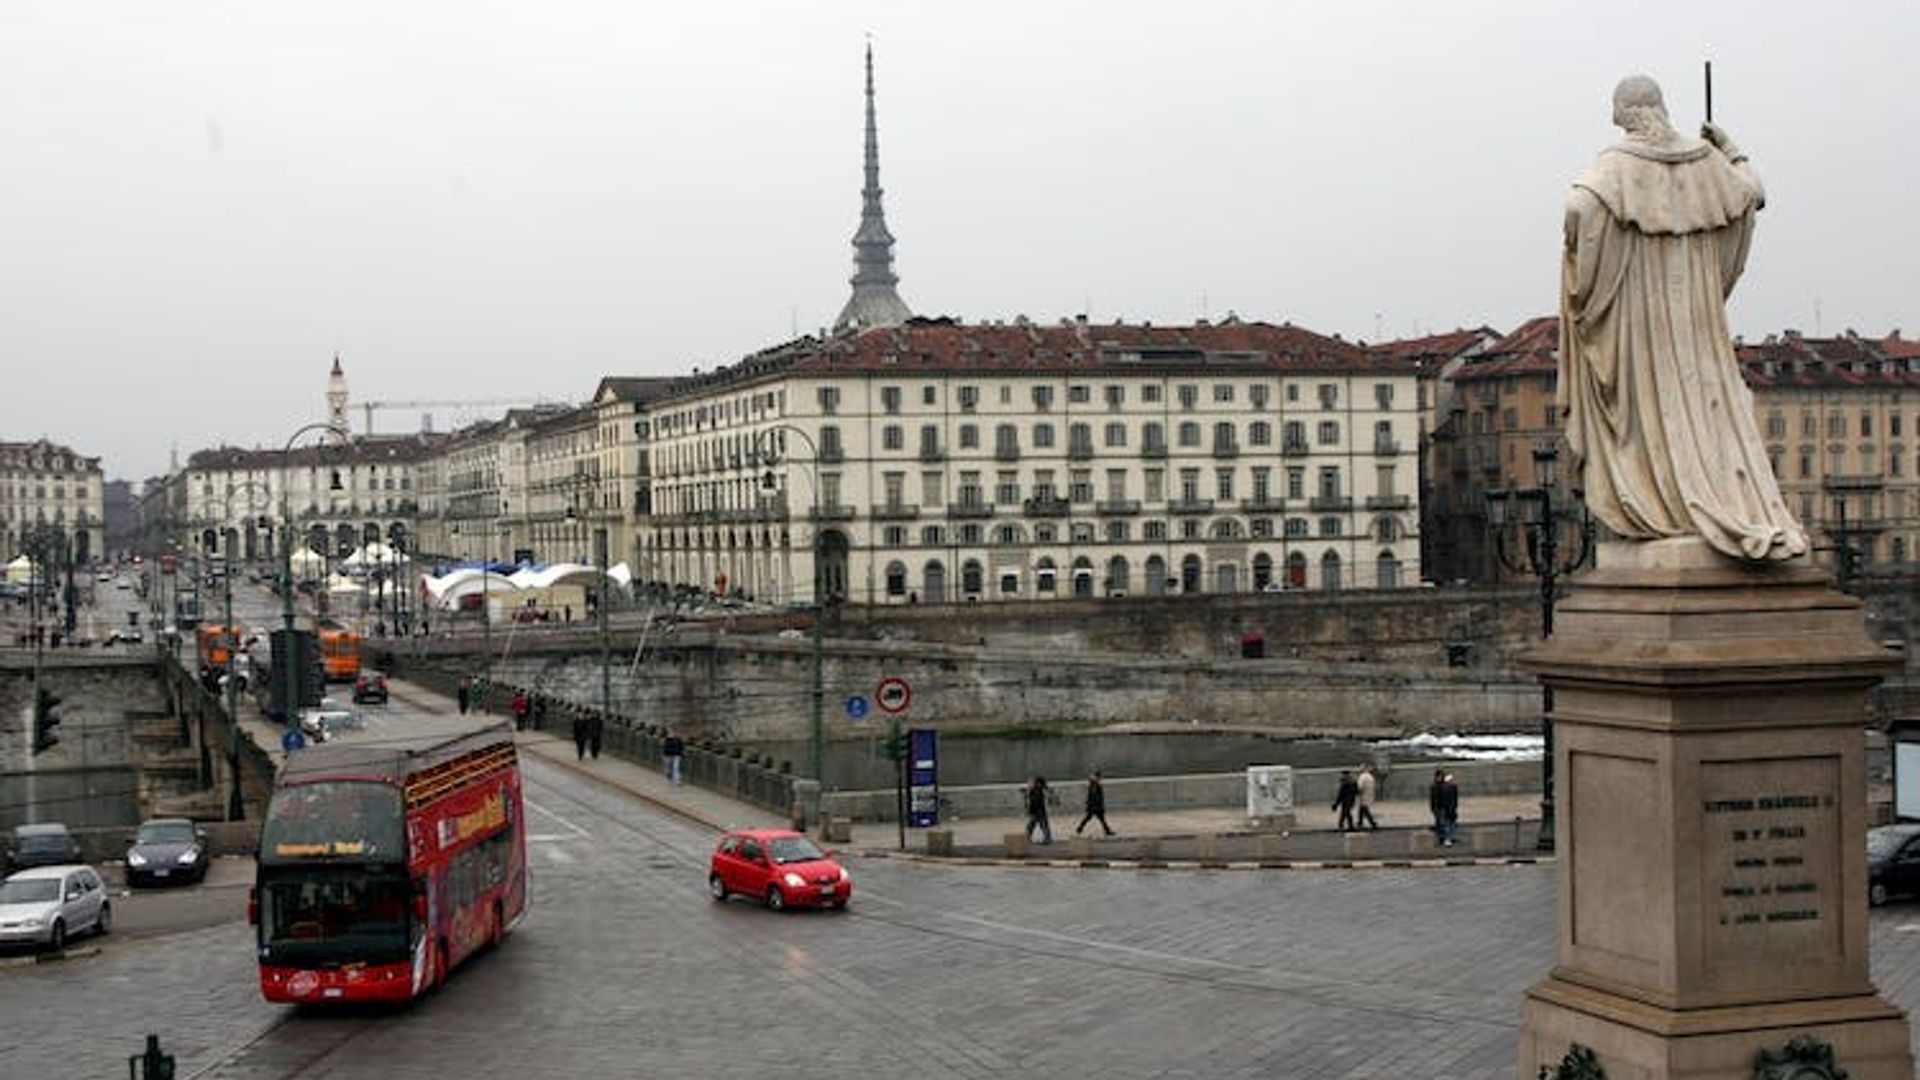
625,967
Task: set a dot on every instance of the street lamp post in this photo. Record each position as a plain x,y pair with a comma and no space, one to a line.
1534,517
289,683
591,482
236,803
816,730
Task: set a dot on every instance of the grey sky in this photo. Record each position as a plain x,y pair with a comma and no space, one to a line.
201,202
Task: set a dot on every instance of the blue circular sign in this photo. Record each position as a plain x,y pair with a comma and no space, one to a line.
857,706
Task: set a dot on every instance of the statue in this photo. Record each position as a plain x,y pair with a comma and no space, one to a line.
1659,420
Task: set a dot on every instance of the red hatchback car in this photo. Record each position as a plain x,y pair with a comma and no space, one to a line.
778,866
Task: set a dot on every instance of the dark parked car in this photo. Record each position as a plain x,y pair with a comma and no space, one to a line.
1893,862
370,686
166,850
47,844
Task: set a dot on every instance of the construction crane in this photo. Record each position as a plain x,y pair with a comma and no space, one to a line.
368,407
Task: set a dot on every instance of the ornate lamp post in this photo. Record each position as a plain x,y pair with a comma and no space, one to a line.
288,681
236,803
1532,520
816,731
591,482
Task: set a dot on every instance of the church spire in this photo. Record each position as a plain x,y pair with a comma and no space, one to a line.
337,402
874,301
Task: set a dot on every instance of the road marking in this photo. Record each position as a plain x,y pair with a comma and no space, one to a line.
557,854
568,825
1066,939
546,838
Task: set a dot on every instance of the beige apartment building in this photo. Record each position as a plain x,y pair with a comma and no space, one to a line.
51,495
937,462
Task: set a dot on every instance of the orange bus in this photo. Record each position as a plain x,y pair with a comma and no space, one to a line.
340,654
217,644
384,865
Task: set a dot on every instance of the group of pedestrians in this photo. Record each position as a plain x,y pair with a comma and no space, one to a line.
1039,796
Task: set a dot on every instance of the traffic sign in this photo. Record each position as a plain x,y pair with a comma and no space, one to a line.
893,694
856,706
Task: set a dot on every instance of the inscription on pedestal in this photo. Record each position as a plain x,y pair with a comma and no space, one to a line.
1771,863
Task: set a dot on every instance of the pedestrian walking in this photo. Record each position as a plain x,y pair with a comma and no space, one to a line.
539,711
674,751
1367,786
522,709
1344,798
579,735
596,730
1096,804
462,694
1037,810
1443,800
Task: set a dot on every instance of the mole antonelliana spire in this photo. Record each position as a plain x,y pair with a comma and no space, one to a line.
874,301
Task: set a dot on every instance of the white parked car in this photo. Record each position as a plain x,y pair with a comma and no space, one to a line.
48,904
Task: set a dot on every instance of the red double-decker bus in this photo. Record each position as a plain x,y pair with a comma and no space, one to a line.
385,863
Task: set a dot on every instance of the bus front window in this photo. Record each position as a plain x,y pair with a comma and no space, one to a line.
334,915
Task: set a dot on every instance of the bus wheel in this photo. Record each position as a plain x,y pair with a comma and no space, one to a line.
776,900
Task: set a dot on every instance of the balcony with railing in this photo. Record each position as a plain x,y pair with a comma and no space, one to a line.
1049,506
1333,503
1154,450
1386,447
1117,507
1263,504
833,512
931,453
1853,482
1080,450
970,508
832,455
1295,448
1389,502
1226,449
1190,506
1006,452
896,511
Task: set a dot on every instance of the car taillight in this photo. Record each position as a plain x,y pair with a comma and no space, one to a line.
419,907
253,906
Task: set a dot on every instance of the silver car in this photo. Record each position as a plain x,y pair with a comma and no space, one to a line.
48,904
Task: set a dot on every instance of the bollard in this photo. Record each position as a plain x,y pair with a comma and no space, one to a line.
1015,844
1516,834
1080,847
150,1064
940,842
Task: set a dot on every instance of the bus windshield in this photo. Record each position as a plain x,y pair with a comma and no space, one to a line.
354,819
313,916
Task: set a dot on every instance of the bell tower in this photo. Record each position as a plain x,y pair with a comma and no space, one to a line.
337,402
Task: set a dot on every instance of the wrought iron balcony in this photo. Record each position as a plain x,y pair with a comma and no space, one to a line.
1117,507
1331,502
1263,504
1853,482
1226,449
1079,451
932,454
896,512
1294,448
832,455
1046,507
1389,502
1004,452
1386,447
970,509
833,512
1154,450
1190,506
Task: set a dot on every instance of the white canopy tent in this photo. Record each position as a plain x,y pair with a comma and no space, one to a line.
307,563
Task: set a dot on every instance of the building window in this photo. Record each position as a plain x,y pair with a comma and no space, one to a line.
1190,529
1776,426
1007,535
1154,531
1222,393
1150,393
1296,482
1329,395
1042,398
1116,485
896,580
930,487
1155,480
969,398
1006,488
1866,425
1383,395
1293,436
1259,433
1223,484
1330,481
1117,531
1257,394
1836,426
1329,433
895,536
970,535
1045,533
890,404
969,437
932,536
1189,434
830,448
1189,485
1116,396
929,395
1079,394
1080,486
1189,395
1329,526
1006,394
1297,528
1006,441
1080,440
893,438
829,400
1153,437
1510,419
1116,435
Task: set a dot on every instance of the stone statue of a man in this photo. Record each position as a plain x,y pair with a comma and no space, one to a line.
1659,421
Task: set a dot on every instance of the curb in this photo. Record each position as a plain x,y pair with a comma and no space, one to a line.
50,957
1210,865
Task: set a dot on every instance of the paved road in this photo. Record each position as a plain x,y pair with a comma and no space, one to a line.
625,968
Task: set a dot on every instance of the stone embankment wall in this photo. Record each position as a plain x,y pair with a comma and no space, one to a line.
90,777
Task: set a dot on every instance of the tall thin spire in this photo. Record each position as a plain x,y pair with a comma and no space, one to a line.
874,301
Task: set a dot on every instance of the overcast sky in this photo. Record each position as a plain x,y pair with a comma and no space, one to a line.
200,203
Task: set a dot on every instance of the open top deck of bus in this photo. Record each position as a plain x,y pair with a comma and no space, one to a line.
427,742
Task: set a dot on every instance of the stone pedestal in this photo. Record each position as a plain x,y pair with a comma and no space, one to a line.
1708,722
